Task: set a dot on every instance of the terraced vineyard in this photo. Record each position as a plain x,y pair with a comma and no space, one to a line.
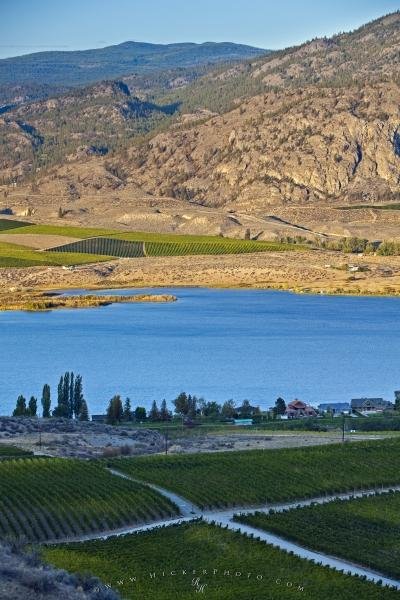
256,477
44,499
364,530
229,565
104,246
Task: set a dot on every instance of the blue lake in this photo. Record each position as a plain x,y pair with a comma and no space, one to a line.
219,344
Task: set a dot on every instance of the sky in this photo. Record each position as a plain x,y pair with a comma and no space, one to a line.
37,25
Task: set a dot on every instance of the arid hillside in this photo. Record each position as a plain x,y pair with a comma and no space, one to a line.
284,147
282,144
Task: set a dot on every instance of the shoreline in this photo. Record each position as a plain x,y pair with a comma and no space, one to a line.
294,272
46,302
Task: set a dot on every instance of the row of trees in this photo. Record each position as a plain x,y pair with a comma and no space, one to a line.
185,406
70,400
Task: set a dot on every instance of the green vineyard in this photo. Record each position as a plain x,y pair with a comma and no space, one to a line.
364,530
6,224
7,451
224,247
256,477
45,499
231,567
104,246
113,246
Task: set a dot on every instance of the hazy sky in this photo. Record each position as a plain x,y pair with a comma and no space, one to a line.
35,25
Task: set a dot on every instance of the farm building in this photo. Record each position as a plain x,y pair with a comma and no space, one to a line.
334,407
298,409
370,405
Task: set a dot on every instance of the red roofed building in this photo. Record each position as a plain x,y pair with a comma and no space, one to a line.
298,409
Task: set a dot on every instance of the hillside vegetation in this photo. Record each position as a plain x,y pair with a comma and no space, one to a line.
86,66
70,498
258,477
363,530
231,566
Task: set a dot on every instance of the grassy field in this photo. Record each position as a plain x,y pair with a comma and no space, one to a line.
231,566
42,499
7,451
257,476
12,255
363,530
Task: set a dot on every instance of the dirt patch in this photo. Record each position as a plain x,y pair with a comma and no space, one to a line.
37,241
267,441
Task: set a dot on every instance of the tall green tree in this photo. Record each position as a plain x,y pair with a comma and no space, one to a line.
280,406
20,408
115,411
228,409
181,404
154,414
83,412
32,406
46,401
127,410
71,396
77,396
165,414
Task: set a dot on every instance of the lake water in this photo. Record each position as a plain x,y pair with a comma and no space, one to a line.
219,344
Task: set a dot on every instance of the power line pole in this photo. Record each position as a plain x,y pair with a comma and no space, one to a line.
343,426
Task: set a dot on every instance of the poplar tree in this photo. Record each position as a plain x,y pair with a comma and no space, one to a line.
32,406
78,397
46,401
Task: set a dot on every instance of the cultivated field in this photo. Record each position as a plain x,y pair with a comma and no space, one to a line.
44,499
257,477
363,530
229,565
13,255
95,245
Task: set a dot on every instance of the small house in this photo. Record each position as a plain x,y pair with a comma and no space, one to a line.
298,409
99,418
370,405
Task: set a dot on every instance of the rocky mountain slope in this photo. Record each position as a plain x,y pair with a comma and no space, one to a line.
284,147
290,137
83,122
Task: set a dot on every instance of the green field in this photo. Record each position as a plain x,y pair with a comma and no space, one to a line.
7,451
44,499
363,530
6,225
266,573
100,244
255,477
13,255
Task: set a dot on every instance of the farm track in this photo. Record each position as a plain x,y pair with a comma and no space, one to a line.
224,518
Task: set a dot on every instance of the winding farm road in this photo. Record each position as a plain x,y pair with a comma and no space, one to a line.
224,518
